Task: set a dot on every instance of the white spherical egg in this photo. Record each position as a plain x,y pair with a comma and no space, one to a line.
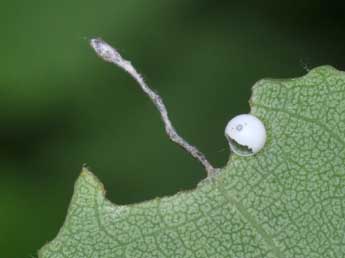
246,134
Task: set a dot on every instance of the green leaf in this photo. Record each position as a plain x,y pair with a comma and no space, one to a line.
286,201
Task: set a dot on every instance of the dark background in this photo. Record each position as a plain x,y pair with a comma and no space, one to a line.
61,106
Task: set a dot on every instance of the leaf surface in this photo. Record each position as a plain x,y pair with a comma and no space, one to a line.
286,201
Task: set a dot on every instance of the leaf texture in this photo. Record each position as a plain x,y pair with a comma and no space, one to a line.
286,201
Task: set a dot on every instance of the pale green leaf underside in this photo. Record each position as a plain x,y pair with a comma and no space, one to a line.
286,201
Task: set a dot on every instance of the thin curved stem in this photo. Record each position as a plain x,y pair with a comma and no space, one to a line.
110,54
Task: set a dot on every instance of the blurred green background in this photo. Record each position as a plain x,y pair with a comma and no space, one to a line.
61,106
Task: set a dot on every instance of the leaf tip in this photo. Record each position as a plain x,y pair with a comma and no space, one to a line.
87,176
